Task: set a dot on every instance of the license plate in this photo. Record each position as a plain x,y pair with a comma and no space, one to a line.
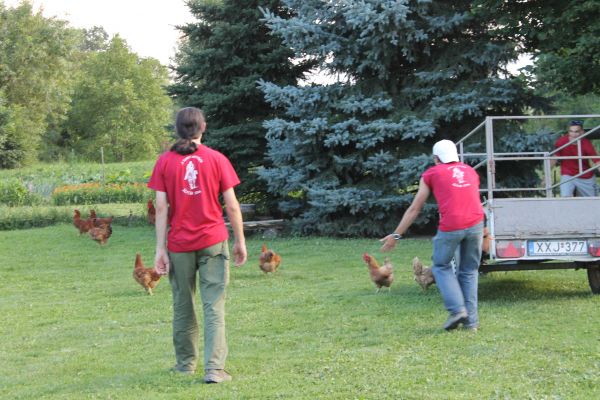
557,247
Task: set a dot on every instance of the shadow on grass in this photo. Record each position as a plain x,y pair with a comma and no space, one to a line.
518,290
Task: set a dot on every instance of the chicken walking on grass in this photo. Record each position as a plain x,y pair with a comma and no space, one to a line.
100,233
148,278
380,275
100,221
423,275
84,225
269,260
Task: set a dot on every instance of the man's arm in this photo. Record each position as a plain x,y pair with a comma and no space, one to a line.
409,216
557,144
234,213
161,260
591,150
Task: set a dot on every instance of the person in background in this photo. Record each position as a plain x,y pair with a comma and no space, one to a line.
455,187
584,185
188,180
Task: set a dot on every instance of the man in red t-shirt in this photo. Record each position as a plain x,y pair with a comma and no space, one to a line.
188,181
584,185
455,187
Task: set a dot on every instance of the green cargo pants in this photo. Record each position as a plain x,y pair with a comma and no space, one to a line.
212,264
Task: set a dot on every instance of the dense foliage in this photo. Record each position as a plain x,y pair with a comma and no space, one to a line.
13,192
74,90
225,52
36,63
119,103
346,154
562,36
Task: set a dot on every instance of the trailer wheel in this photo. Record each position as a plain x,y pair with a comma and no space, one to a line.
594,278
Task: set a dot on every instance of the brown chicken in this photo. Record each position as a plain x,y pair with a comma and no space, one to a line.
269,260
380,275
151,216
100,233
83,225
147,277
99,221
423,275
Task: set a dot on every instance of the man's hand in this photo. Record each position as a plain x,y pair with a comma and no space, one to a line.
240,254
388,243
161,262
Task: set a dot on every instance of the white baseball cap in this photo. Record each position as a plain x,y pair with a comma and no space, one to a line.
445,150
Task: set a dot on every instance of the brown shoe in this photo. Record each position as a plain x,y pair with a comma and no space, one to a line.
216,376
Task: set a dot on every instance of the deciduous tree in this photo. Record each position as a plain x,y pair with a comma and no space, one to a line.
36,56
119,103
563,37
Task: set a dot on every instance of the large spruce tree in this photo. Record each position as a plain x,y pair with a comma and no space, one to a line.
222,56
347,156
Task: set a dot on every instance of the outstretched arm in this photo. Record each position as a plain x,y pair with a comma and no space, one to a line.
409,216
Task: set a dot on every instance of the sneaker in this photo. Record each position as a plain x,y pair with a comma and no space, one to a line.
454,320
216,376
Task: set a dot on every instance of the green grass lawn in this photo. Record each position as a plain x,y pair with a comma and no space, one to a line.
75,325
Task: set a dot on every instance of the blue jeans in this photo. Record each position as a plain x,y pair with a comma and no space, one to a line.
581,187
459,290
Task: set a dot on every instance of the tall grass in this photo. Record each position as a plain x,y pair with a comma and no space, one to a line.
74,325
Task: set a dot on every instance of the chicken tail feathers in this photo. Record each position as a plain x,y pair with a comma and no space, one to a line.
138,261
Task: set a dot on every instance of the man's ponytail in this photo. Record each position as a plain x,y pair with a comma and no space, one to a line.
184,146
188,126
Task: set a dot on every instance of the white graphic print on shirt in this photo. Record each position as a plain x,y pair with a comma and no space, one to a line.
191,176
459,176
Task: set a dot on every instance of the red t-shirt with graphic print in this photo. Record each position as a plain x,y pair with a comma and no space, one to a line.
193,183
456,188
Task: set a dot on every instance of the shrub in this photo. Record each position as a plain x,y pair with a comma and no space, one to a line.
13,192
96,193
36,217
32,217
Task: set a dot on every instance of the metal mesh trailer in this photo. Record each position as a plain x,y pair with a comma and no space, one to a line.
535,229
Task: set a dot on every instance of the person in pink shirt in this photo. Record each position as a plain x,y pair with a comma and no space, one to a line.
188,181
455,187
584,185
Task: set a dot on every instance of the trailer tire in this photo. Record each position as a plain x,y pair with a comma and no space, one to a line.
593,274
